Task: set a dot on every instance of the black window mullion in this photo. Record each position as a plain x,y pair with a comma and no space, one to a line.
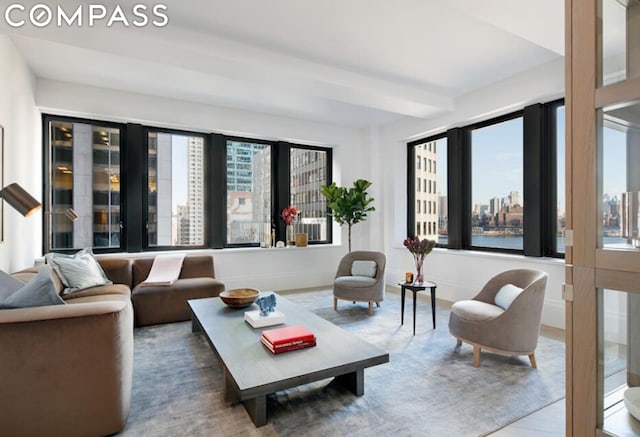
134,173
216,174
459,188
281,185
536,173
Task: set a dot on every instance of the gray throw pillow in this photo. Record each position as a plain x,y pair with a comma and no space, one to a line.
8,285
78,271
39,291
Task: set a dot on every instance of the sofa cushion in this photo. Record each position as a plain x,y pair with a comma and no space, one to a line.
39,291
77,271
161,304
101,290
476,310
355,281
364,268
506,295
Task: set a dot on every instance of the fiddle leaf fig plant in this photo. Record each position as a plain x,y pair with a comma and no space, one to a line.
348,206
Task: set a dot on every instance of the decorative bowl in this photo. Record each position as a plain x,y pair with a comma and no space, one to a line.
240,297
632,401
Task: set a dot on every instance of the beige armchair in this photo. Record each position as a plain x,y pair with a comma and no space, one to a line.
360,278
502,318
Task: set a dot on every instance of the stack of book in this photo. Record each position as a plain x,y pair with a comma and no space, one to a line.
287,339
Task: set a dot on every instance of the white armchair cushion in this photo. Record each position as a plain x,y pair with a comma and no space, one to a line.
476,311
364,268
354,281
506,295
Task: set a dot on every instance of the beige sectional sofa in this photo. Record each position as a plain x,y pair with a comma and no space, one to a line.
67,369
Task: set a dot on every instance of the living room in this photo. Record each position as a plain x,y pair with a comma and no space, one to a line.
208,77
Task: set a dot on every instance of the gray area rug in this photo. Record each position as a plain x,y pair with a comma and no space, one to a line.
429,387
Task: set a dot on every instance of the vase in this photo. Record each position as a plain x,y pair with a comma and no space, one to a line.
290,236
419,279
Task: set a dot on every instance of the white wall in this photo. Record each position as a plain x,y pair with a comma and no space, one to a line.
461,274
22,153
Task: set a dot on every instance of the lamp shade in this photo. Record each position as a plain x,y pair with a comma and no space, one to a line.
18,198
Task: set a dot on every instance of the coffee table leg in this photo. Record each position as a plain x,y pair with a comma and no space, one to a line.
353,381
230,393
257,409
195,325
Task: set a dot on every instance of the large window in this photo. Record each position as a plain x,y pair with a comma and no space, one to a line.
429,200
248,192
467,186
176,197
138,187
497,196
308,170
83,175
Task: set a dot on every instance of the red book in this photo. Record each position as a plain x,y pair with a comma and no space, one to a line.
291,347
288,334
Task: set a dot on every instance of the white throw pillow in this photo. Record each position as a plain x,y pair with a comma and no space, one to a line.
506,295
77,271
364,268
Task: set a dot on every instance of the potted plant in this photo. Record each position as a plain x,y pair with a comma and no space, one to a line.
348,206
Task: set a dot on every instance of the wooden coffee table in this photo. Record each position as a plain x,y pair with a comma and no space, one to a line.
251,372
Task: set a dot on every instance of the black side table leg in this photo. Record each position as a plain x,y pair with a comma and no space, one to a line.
414,311
402,293
433,306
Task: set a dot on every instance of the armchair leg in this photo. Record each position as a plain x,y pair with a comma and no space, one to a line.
532,358
458,342
378,304
476,355
335,303
371,308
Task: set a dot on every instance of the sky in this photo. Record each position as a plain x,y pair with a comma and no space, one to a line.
496,161
179,156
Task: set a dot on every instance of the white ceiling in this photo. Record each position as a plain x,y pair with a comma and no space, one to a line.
350,62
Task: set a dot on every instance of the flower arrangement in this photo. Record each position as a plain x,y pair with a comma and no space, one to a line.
288,214
419,249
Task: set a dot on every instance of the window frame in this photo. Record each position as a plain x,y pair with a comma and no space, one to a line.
274,152
481,125
145,185
47,173
134,201
415,183
327,181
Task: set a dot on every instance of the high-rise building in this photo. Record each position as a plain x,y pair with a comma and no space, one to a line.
85,176
494,206
195,190
514,198
426,191
308,171
182,227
